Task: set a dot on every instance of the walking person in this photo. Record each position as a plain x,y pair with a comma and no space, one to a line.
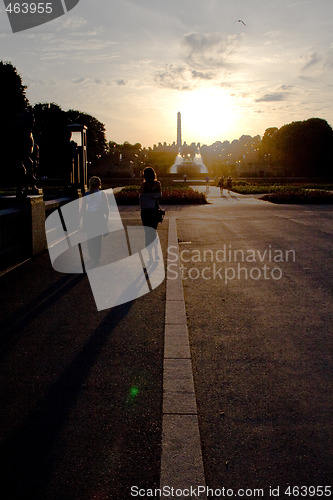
221,184
95,218
150,194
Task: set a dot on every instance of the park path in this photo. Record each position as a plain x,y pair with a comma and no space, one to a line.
82,391
258,298
215,197
260,336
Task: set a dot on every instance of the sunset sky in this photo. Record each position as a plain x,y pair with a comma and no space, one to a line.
133,64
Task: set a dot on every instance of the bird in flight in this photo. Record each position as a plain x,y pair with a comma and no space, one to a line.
240,21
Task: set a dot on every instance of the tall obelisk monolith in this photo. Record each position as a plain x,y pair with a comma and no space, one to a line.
179,130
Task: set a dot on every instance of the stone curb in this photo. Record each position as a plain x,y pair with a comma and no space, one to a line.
181,461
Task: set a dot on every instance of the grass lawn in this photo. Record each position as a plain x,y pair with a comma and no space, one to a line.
306,196
289,193
279,188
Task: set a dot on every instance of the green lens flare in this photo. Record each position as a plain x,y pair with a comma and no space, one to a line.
134,391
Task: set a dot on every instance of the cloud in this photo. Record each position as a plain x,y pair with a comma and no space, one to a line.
210,50
99,81
310,59
274,97
79,80
307,78
286,87
87,51
180,77
90,82
328,64
201,75
71,23
173,77
203,55
120,82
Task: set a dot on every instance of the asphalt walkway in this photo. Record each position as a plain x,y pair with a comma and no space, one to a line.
219,378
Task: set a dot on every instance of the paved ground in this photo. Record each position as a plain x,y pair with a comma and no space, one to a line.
261,342
81,391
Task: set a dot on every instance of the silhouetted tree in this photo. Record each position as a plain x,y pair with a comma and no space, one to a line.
268,142
49,130
16,142
268,150
305,148
161,161
13,92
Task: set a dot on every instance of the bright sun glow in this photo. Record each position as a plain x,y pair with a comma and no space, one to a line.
208,115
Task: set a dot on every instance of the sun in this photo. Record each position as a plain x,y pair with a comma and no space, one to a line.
208,115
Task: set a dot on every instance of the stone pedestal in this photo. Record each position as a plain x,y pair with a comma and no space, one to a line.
22,228
35,207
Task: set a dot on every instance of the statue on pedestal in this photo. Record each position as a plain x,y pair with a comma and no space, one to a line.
20,154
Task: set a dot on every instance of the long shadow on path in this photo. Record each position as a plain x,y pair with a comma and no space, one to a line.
12,328
25,456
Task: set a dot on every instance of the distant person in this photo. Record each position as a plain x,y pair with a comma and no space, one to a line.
185,177
150,194
229,184
95,218
207,179
221,184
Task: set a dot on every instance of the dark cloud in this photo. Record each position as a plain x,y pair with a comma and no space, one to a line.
79,80
203,55
210,50
99,81
286,87
173,77
311,60
307,78
121,83
201,75
276,96
328,64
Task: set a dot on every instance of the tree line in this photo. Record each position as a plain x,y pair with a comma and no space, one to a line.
299,149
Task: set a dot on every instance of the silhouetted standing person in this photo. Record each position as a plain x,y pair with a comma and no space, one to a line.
95,218
150,193
221,184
